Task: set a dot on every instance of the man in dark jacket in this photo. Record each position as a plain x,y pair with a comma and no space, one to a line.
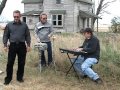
17,35
92,48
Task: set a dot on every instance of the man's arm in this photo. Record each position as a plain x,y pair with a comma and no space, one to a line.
6,36
92,46
28,37
51,31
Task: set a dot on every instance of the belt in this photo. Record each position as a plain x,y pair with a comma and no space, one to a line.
17,42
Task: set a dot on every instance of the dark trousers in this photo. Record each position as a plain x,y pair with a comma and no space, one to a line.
18,49
49,51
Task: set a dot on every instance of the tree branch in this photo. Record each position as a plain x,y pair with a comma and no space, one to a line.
2,5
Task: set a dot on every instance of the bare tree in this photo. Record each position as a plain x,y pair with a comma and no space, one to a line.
2,5
103,4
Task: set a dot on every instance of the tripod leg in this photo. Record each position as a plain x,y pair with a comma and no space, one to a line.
53,55
39,54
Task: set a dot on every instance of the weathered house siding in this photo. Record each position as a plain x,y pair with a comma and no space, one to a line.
35,6
67,5
73,20
32,19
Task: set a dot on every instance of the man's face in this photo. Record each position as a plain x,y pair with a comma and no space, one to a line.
43,19
87,35
16,17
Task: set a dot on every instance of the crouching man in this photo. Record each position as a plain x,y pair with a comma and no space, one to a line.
84,63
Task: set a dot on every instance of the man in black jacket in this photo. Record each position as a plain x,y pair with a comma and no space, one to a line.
92,48
17,34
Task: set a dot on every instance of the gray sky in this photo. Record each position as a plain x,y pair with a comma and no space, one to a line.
16,4
12,5
114,11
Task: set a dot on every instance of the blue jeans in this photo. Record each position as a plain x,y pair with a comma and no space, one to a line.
83,67
49,52
77,65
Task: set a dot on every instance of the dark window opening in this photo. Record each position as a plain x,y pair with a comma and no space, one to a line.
57,20
58,1
24,19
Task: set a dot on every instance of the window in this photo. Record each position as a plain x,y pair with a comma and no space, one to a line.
58,1
57,20
24,19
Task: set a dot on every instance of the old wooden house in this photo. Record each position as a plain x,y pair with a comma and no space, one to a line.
65,15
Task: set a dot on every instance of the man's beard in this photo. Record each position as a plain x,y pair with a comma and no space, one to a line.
17,21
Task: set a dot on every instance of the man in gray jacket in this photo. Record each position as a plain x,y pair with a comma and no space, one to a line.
43,32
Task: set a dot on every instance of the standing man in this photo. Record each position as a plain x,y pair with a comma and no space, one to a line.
18,35
43,32
84,63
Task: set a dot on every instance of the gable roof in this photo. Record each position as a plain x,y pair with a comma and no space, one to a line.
86,1
32,1
88,14
32,13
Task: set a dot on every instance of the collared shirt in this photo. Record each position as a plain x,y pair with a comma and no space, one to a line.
16,32
43,31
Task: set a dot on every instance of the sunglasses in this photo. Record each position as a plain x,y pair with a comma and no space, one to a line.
44,18
16,16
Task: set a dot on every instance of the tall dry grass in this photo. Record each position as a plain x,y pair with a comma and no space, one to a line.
50,79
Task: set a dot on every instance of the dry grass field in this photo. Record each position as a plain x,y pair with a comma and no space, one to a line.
55,78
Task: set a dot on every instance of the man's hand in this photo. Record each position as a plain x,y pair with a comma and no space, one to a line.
6,49
53,37
28,49
38,40
49,35
78,49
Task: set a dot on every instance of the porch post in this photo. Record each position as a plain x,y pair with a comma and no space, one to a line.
97,24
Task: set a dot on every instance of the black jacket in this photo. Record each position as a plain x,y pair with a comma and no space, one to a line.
92,47
16,32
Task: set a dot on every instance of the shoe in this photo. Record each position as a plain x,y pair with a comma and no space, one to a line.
20,80
49,63
43,65
6,82
84,76
99,81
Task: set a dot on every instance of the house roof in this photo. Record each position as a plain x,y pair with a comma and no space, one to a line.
87,14
58,11
32,13
32,1
86,1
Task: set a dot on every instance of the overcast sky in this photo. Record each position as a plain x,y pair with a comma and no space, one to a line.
16,4
12,5
114,11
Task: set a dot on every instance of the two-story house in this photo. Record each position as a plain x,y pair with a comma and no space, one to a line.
65,15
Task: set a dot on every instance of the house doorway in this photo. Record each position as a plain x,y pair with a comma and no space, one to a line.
24,19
